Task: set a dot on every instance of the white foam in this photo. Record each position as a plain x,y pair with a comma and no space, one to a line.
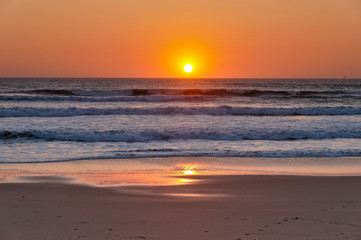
68,151
181,133
154,98
216,111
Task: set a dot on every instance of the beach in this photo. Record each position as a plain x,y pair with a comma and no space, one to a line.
105,202
180,120
211,207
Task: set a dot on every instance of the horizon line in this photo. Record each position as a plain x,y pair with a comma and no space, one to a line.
355,78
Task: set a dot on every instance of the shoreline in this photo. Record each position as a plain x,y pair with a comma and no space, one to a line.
161,171
206,207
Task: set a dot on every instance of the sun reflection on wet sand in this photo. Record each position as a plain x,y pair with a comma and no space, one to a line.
185,180
188,169
100,176
188,172
170,171
195,195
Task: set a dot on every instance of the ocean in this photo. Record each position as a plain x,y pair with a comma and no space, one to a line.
58,119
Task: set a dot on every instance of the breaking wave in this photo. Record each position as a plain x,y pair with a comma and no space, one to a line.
195,91
216,111
168,95
179,134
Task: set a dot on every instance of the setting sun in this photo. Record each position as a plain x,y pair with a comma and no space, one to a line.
188,68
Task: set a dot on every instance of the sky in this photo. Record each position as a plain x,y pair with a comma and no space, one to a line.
156,38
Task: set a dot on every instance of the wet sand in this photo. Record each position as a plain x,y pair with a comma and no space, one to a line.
210,207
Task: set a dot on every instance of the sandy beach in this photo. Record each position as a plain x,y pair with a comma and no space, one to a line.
207,207
180,120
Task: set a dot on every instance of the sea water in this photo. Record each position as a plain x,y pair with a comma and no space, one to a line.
44,120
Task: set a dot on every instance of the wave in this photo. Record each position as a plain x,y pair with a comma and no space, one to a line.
167,95
179,134
52,92
215,111
172,92
294,154
244,154
154,98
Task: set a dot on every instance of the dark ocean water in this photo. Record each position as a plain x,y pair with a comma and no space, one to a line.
70,119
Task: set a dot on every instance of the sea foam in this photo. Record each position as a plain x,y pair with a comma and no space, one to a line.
171,110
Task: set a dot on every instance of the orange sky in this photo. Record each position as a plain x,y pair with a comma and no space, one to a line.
155,38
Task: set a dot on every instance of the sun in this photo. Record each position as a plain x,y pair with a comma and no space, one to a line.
188,68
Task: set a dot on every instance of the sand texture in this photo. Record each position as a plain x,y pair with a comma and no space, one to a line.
213,207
